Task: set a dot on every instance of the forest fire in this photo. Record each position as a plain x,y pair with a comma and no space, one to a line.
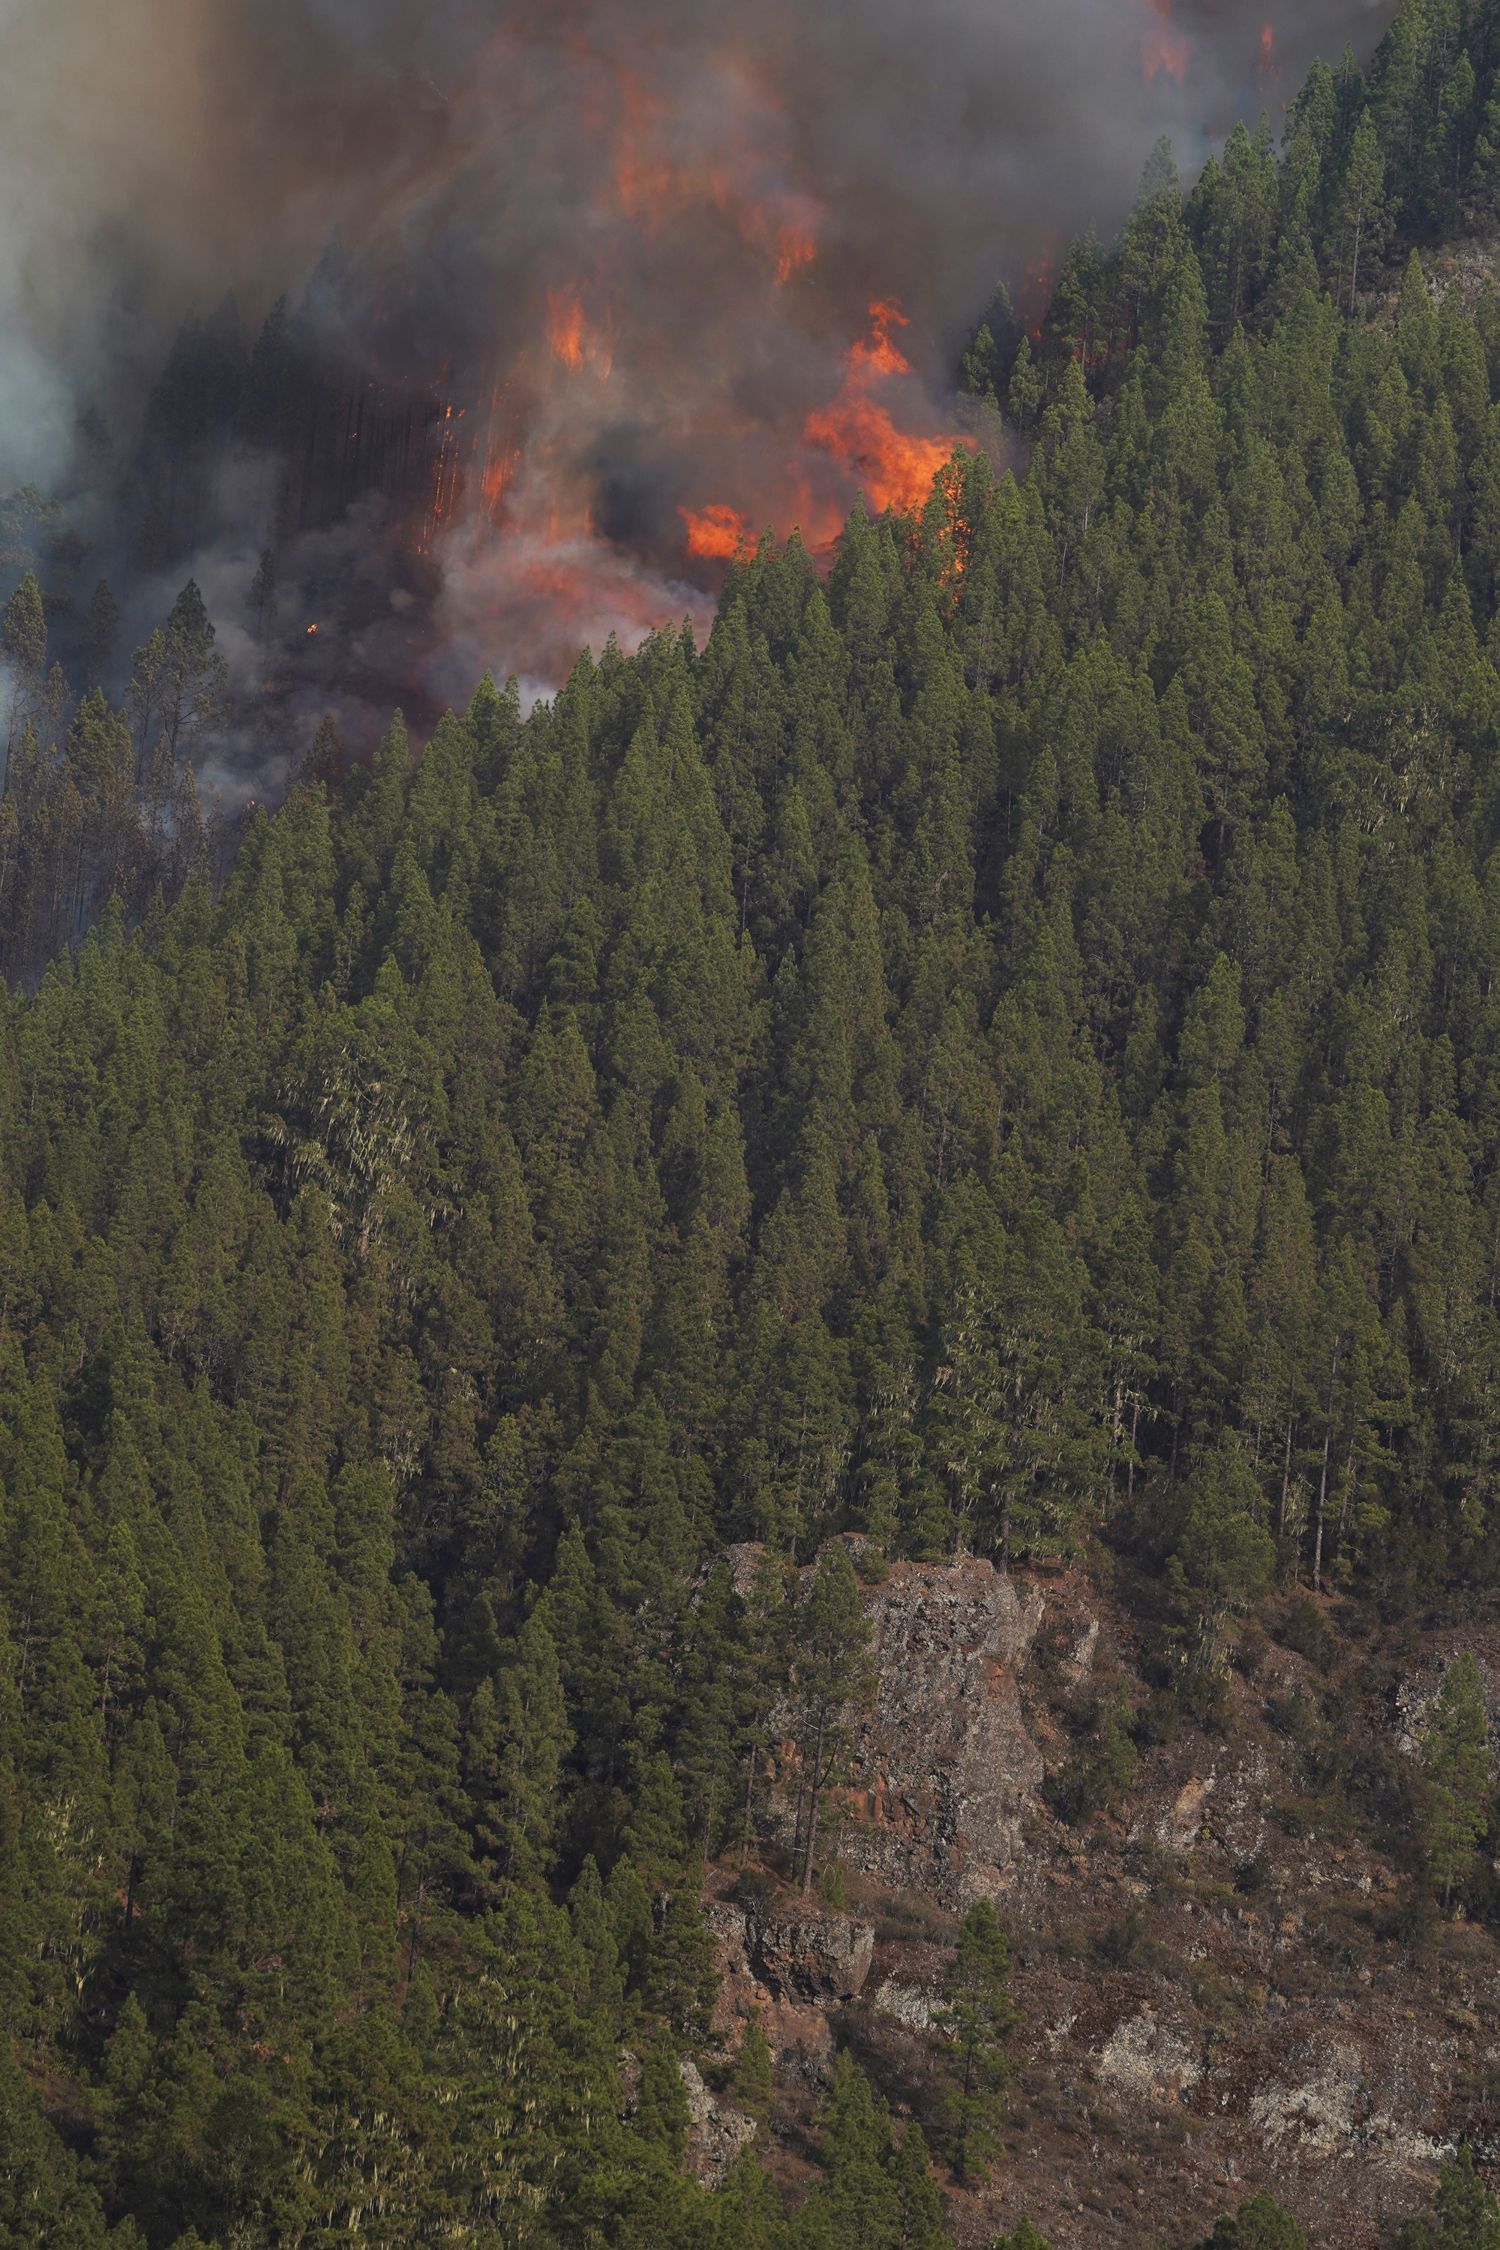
701,364
720,338
715,533
893,467
858,435
565,329
590,295
1164,49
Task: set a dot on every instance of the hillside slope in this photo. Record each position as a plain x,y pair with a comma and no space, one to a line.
982,1082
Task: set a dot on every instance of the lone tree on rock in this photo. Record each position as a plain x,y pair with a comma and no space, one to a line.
1456,1757
832,1676
978,2015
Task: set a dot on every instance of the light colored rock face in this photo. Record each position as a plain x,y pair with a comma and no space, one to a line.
1332,2113
1149,2060
1183,1825
716,2130
945,1770
906,2004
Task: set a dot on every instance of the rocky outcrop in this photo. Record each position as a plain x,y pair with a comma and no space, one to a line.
796,1964
946,1772
717,2131
906,2004
1330,2111
1213,1981
1150,2060
792,1954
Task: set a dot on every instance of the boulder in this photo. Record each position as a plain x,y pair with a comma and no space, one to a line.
794,1953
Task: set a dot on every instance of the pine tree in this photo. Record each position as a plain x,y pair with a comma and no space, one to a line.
102,628
1468,2213
978,2017
1362,210
1259,2224
753,2080
23,652
519,1737
831,1676
858,2199
1457,1764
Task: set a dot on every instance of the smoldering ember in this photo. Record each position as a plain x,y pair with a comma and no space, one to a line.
750,1125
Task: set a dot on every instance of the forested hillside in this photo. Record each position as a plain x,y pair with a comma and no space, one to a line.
998,1051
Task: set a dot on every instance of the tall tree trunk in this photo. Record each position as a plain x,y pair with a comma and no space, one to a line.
815,1791
1333,1373
750,1773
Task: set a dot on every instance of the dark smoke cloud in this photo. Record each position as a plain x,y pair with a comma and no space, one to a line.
652,171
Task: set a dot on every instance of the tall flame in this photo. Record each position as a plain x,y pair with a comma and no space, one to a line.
858,442
894,467
1164,51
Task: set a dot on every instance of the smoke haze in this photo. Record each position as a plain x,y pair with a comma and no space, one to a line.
623,251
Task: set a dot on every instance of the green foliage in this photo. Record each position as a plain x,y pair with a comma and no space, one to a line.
753,2084
994,1063
1097,1777
1259,2224
977,2018
1467,2213
832,1676
1459,1772
23,629
862,2197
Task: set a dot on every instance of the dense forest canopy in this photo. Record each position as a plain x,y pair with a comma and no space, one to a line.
998,1051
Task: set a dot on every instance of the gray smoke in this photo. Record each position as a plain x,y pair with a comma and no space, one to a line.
630,242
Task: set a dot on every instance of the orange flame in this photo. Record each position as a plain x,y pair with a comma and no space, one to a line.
1164,50
654,183
859,435
894,467
877,354
565,327
1270,67
715,533
447,476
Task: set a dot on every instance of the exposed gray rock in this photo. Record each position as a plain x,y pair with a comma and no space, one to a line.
795,1954
905,2003
1149,2060
717,2131
1332,2113
946,1772
1079,1662
1182,1825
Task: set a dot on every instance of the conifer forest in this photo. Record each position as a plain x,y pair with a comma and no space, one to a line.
750,1403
